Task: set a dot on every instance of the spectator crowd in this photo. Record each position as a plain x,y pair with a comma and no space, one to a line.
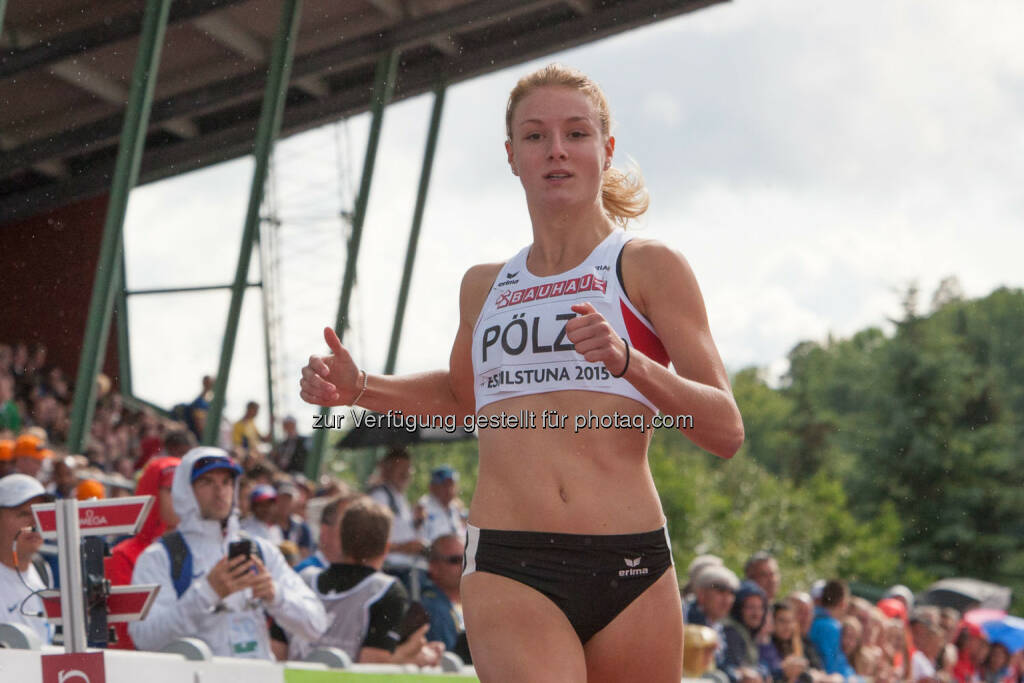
742,631
318,564
259,561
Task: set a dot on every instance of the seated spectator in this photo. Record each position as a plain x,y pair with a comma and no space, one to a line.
89,489
741,659
290,453
6,456
788,665
826,632
995,668
929,638
714,589
406,546
896,639
64,478
30,454
442,514
10,416
863,660
206,594
194,414
19,567
763,569
244,432
365,606
441,596
699,646
696,566
292,526
260,522
329,550
156,481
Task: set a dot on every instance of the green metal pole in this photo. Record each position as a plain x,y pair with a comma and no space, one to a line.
126,173
383,88
266,132
265,303
124,356
414,234
3,8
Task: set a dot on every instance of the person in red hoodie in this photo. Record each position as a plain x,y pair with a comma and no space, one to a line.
155,481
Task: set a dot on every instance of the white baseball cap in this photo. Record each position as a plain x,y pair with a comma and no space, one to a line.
16,489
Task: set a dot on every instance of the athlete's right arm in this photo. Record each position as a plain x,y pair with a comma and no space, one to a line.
335,380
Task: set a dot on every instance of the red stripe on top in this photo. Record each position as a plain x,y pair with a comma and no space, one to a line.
642,338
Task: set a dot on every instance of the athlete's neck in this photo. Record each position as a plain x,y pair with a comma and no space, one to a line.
564,237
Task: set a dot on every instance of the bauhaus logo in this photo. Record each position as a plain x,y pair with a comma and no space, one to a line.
584,283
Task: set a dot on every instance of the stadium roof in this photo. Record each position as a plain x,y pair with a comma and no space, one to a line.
65,68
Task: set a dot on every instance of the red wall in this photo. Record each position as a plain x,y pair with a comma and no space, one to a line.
47,266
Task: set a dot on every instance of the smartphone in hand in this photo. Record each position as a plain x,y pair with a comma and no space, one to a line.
240,548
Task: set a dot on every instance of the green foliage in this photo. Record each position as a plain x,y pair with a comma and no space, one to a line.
880,458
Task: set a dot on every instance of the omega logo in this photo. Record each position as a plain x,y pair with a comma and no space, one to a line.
93,519
69,674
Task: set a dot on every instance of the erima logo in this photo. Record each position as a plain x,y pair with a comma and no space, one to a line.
633,570
511,275
13,607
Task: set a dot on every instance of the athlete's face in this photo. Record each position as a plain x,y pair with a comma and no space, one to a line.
557,148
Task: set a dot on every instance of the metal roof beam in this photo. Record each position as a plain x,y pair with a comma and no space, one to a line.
364,49
416,78
55,169
398,10
581,7
220,28
111,30
102,86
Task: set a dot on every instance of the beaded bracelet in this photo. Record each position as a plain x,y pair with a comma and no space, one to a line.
363,390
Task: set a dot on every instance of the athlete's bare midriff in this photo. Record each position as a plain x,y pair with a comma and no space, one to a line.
552,478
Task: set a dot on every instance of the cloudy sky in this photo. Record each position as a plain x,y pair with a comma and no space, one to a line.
810,159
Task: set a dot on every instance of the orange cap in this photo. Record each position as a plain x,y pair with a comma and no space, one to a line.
90,488
28,445
6,450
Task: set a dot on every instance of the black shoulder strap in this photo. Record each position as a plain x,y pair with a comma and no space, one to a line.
181,560
392,503
43,568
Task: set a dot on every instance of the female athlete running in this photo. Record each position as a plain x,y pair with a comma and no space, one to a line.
568,573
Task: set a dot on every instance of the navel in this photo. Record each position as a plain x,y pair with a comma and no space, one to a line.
564,496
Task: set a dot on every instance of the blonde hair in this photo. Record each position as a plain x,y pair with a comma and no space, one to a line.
623,195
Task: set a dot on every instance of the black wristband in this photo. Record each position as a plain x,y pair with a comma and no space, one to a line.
626,366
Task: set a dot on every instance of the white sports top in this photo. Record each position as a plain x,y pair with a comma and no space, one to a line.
519,342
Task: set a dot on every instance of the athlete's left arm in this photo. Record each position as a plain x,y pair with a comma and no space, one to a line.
667,293
661,284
